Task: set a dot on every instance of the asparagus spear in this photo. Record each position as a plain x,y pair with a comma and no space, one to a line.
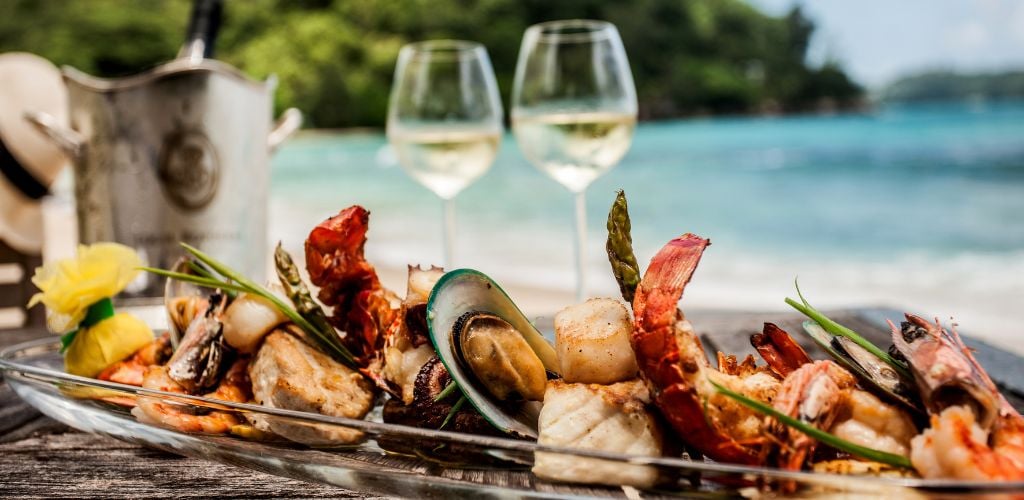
297,291
620,248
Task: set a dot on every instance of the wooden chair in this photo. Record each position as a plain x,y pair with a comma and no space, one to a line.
16,288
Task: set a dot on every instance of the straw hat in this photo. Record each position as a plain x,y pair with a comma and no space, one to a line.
29,161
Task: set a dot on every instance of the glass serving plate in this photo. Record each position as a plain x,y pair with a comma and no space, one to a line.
408,461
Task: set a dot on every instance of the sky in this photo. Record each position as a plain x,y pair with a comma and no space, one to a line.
878,41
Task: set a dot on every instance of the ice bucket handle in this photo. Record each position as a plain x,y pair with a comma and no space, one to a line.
68,140
286,125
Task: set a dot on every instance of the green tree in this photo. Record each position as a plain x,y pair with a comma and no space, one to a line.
334,58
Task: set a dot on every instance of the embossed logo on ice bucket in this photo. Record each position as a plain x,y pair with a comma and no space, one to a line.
189,170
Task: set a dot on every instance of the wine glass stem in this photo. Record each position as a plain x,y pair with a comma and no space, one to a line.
449,233
581,245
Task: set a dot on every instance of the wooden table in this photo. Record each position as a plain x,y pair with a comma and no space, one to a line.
41,458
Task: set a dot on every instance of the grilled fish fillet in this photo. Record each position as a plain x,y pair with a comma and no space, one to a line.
289,374
612,418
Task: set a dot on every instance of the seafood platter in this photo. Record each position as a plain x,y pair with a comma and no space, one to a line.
447,388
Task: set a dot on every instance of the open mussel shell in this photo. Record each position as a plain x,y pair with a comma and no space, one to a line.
467,301
875,374
182,301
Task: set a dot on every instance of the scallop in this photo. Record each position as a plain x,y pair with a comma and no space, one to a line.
592,341
248,319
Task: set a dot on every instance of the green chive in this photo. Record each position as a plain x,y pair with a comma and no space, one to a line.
447,391
455,409
201,271
836,329
825,437
195,280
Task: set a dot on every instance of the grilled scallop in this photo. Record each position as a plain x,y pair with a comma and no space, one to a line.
248,319
592,341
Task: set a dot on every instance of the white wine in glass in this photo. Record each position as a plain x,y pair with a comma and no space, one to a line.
446,161
575,148
574,109
444,120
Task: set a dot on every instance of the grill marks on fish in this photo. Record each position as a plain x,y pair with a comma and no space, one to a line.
289,374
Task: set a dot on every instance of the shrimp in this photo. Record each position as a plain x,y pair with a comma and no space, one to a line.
130,371
680,376
366,313
974,432
870,422
234,387
824,394
362,307
813,394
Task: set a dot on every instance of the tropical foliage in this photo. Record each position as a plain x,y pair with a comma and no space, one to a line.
335,58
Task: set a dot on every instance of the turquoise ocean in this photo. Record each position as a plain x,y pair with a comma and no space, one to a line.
919,207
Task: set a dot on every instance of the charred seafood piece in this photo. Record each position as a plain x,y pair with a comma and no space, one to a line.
198,361
430,409
362,308
492,351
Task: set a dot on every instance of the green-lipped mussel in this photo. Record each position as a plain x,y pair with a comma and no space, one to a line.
878,376
492,351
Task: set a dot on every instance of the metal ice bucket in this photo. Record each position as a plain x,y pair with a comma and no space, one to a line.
179,153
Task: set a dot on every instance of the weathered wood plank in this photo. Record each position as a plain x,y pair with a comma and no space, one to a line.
76,465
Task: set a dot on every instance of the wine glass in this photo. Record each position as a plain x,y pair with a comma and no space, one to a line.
574,109
445,120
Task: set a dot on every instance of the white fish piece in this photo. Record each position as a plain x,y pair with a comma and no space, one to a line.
592,342
612,418
289,374
248,319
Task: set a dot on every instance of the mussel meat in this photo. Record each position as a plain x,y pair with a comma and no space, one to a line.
499,357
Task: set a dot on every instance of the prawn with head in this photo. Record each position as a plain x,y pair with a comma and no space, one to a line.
974,432
366,313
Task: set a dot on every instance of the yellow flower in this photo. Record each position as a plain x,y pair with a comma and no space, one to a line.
106,343
68,287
